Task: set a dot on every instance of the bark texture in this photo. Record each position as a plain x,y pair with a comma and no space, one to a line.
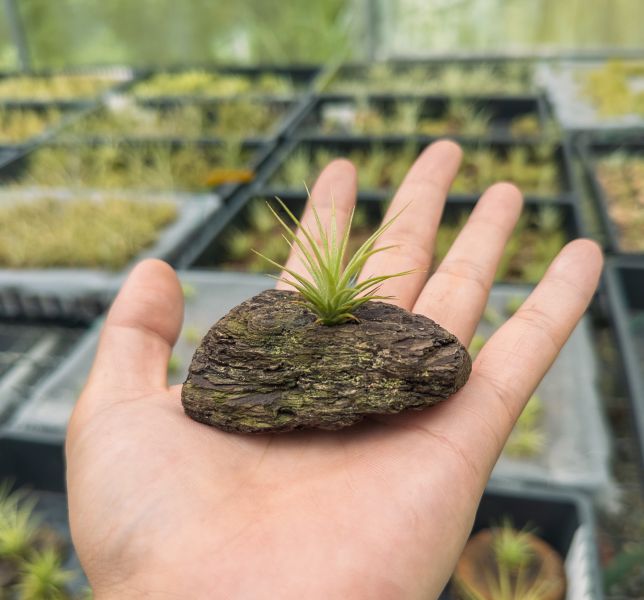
268,367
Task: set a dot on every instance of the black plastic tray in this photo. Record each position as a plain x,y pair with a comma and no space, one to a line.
342,145
235,216
564,520
590,153
501,109
624,279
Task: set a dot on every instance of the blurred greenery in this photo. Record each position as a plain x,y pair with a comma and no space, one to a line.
166,32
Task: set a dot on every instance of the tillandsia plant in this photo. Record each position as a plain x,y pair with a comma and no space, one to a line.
332,290
503,563
42,577
613,90
309,357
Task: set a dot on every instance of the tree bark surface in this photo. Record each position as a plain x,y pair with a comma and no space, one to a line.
267,366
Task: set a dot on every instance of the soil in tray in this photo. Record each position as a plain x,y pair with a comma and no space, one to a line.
18,125
533,168
448,78
209,84
82,233
622,178
152,166
616,88
54,87
226,118
536,240
458,117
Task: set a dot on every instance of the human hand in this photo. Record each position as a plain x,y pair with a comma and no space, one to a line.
162,506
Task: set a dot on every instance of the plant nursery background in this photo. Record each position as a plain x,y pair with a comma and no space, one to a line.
161,128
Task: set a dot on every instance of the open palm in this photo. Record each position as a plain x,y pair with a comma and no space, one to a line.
161,506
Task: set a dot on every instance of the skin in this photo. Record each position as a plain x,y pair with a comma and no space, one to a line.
163,507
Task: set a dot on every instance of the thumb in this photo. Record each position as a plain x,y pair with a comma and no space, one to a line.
139,333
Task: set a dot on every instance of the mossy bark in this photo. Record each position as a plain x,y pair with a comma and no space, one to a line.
267,366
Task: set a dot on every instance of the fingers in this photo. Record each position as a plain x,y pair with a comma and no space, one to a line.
139,331
455,296
335,188
479,419
422,195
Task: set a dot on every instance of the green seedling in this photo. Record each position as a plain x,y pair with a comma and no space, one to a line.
527,439
17,531
621,176
54,87
192,335
63,233
331,290
188,290
612,90
476,345
174,365
43,577
207,84
19,125
513,304
152,166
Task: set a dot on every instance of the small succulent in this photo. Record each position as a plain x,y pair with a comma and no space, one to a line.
42,577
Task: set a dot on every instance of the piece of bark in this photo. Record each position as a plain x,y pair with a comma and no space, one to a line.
267,366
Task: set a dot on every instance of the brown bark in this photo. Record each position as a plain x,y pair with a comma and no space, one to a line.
267,366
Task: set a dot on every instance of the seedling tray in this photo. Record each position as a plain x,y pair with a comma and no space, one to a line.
591,156
356,74
333,116
624,277
573,109
208,297
253,156
38,468
238,217
564,520
117,77
67,114
284,112
575,449
412,145
301,77
57,293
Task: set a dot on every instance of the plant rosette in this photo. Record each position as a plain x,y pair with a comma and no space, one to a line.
502,563
325,355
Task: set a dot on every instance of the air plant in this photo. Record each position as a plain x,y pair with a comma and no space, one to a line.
18,528
48,232
331,289
42,577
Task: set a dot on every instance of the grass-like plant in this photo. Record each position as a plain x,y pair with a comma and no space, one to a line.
19,125
332,290
55,87
42,577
